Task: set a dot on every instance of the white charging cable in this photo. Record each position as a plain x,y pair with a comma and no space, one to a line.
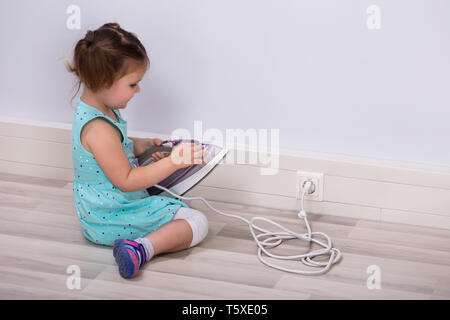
276,238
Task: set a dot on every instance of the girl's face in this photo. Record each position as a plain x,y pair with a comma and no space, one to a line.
123,89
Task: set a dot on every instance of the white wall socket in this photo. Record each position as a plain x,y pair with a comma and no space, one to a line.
316,178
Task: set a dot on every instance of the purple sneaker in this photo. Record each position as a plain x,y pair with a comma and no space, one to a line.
128,255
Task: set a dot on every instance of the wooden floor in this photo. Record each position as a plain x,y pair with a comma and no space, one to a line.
41,237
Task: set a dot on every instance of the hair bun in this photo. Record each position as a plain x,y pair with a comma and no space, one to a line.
89,38
89,35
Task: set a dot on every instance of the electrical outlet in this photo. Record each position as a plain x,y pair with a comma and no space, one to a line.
317,180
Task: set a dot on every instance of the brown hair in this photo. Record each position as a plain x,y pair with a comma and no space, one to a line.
103,56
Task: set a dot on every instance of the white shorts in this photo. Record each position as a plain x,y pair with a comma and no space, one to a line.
197,221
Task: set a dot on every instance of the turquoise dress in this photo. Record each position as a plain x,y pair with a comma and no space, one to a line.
106,213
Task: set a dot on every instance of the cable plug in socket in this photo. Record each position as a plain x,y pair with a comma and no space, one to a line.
316,189
312,188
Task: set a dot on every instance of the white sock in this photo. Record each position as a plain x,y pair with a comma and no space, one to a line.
148,247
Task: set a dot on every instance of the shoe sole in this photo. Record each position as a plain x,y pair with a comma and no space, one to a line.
127,268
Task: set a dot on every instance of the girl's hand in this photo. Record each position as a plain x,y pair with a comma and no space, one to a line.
187,154
140,145
158,155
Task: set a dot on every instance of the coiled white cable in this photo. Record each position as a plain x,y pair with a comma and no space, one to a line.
276,238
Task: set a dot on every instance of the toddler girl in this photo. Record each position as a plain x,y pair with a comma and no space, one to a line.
110,194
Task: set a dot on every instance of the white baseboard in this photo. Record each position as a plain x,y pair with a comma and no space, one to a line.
353,187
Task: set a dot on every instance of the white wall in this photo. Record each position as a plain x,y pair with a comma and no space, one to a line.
309,68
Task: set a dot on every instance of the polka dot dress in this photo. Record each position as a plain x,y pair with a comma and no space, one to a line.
106,213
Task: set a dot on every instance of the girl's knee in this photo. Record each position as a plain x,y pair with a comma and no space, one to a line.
198,222
203,220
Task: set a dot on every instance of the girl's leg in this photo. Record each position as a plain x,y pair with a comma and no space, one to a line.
173,236
188,228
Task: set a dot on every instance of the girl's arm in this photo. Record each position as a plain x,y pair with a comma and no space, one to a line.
144,177
105,143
